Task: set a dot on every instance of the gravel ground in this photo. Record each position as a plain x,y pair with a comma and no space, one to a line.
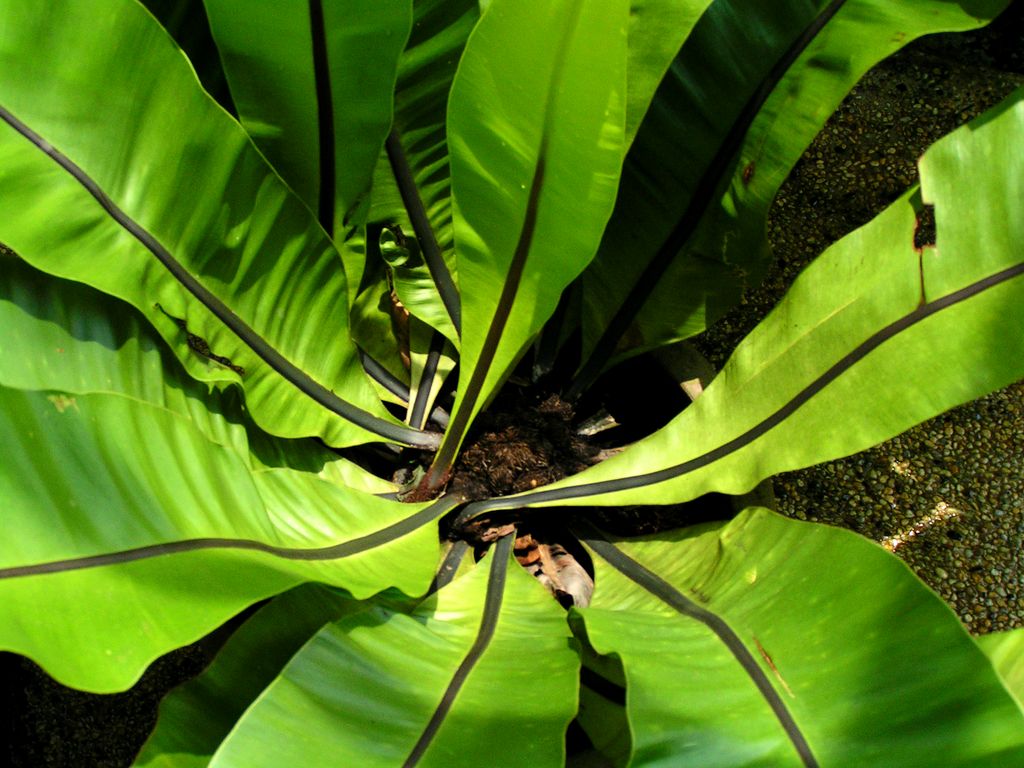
947,496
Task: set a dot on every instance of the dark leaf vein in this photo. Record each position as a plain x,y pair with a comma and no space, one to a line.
334,552
661,589
703,196
853,357
499,555
325,116
288,370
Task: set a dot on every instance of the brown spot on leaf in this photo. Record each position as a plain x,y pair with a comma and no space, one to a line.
62,402
771,665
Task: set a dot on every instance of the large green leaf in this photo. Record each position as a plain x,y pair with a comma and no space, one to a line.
197,716
313,84
57,335
481,672
874,337
719,140
425,73
535,126
773,642
419,150
412,183
119,516
119,171
129,489
67,337
657,29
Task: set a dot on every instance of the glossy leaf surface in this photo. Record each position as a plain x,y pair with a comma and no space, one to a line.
417,154
133,120
535,127
67,337
867,333
745,126
313,83
657,29
1006,650
129,489
367,688
863,658
196,717
143,506
149,514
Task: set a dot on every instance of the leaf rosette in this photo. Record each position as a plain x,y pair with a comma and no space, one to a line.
245,345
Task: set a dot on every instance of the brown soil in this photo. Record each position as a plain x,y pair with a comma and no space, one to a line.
520,444
525,442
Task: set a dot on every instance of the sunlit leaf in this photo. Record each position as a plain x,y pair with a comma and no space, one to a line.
701,204
379,688
313,84
867,331
774,642
179,209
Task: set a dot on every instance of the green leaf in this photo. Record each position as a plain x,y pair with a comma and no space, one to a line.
536,133
866,335
187,23
767,633
119,516
606,725
368,688
196,717
425,73
978,221
415,287
377,326
119,171
129,490
721,137
313,84
57,335
412,183
393,250
69,338
657,29
433,359
1006,650
310,456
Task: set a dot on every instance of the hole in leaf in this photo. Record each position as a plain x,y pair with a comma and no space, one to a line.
924,230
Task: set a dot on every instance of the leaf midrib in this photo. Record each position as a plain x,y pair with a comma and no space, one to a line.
771,421
493,599
700,200
324,117
260,346
337,551
668,594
